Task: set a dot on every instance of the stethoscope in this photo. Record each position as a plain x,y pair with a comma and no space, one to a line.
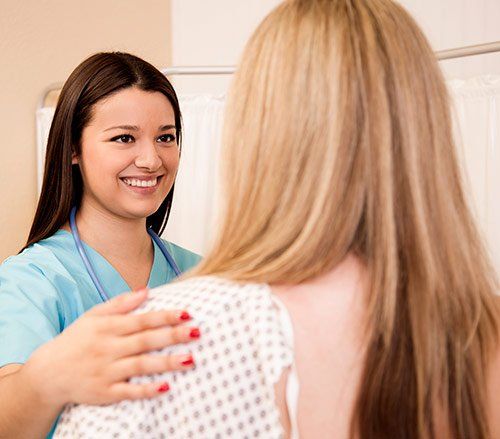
90,268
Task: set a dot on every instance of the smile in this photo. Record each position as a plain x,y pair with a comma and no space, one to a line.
141,182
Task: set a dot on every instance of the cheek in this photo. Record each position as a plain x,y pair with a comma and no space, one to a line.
170,159
91,166
101,165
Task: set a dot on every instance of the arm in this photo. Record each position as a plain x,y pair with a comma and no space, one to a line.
23,412
280,396
90,362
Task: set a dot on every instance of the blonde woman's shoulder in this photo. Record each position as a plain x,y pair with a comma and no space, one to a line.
205,294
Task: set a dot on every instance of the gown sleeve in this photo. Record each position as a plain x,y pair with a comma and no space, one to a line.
30,309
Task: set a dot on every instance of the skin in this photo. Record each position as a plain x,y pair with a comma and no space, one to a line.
327,317
111,209
329,320
92,360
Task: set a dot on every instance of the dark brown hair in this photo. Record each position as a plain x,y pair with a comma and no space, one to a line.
94,79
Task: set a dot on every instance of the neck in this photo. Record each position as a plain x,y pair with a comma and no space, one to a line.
111,235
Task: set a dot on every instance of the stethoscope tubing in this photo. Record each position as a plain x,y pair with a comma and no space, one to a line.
165,252
88,265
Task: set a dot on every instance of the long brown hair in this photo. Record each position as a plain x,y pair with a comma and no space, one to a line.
338,140
94,79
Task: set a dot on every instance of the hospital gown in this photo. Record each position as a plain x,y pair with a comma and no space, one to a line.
46,287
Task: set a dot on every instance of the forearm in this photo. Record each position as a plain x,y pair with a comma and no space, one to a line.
23,411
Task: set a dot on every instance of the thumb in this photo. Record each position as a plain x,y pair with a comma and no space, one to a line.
122,304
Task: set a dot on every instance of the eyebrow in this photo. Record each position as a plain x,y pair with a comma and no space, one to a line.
136,128
123,127
167,127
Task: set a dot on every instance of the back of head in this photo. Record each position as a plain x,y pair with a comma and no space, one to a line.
338,140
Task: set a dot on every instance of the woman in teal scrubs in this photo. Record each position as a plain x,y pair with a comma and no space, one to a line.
113,153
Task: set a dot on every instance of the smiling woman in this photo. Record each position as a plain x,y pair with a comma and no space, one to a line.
129,154
112,157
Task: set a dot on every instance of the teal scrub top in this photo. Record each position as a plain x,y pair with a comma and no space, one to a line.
46,288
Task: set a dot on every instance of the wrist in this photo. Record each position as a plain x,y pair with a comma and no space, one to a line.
40,379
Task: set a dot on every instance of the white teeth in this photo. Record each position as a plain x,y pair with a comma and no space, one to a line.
140,183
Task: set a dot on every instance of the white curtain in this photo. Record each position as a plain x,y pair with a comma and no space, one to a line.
43,120
477,119
192,221
476,112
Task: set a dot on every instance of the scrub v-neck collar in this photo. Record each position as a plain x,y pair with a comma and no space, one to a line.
111,280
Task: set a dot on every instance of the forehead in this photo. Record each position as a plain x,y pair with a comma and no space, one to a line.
134,106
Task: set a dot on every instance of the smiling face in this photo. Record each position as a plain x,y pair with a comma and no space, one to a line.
129,153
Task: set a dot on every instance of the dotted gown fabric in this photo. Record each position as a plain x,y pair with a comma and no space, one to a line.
241,354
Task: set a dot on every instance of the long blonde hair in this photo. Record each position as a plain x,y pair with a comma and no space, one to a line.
338,139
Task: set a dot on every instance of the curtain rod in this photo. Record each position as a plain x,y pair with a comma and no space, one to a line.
460,52
441,55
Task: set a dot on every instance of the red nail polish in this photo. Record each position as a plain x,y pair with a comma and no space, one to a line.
195,333
164,388
185,316
188,362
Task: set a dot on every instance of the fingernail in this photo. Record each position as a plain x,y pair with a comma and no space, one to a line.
164,388
195,333
189,361
185,316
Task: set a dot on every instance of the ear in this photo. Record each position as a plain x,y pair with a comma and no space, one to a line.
74,159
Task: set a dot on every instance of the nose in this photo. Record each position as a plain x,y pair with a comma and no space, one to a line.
147,156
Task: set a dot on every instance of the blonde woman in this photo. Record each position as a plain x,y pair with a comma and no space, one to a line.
346,220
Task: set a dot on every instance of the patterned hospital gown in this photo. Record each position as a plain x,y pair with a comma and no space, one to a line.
244,349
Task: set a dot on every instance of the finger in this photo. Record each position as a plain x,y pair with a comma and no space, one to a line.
124,390
148,364
121,304
132,323
156,339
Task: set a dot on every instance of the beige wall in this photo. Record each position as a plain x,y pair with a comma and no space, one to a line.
41,41
447,24
457,23
224,35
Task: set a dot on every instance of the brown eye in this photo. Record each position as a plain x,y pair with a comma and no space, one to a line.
166,138
123,138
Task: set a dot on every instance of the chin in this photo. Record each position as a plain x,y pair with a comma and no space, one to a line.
134,208
140,212
143,213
